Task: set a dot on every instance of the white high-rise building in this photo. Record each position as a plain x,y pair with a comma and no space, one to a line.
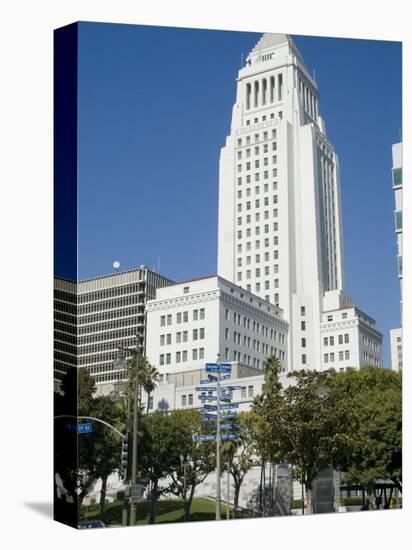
396,333
280,221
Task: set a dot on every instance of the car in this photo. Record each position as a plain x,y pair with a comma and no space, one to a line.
91,524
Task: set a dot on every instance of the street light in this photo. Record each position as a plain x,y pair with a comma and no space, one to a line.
134,385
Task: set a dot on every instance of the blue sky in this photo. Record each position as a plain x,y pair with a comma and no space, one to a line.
154,110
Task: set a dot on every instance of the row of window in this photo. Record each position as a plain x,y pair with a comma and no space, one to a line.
257,163
370,359
182,316
182,336
257,137
370,343
112,335
113,292
341,356
111,314
341,339
265,188
248,181
257,150
95,307
96,332
181,356
252,325
261,92
258,203
248,219
344,315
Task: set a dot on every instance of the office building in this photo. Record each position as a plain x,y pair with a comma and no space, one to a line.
397,182
280,221
95,317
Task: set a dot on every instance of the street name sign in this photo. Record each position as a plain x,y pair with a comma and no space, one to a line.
225,377
208,408
83,428
228,415
229,426
230,406
215,367
231,388
212,378
209,416
207,388
205,437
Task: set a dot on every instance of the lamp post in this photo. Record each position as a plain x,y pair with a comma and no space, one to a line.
218,497
134,385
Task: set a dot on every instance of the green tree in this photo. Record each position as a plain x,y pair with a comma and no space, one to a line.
237,454
375,413
267,432
199,459
316,427
158,454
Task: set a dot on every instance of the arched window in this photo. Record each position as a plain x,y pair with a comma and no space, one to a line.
256,94
272,89
248,94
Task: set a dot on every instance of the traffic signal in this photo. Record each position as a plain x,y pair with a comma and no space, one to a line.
126,456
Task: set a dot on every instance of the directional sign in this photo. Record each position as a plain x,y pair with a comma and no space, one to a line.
208,380
225,377
231,388
230,406
205,437
208,408
209,416
79,428
215,367
229,426
207,388
224,437
228,415
213,378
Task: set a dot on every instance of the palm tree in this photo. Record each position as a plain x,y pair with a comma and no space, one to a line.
150,379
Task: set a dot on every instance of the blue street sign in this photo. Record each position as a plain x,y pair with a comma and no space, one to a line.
228,415
207,388
225,377
212,378
224,437
215,367
225,399
205,437
209,416
208,409
83,428
231,388
208,380
230,406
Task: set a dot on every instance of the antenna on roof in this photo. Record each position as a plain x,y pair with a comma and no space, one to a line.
116,265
